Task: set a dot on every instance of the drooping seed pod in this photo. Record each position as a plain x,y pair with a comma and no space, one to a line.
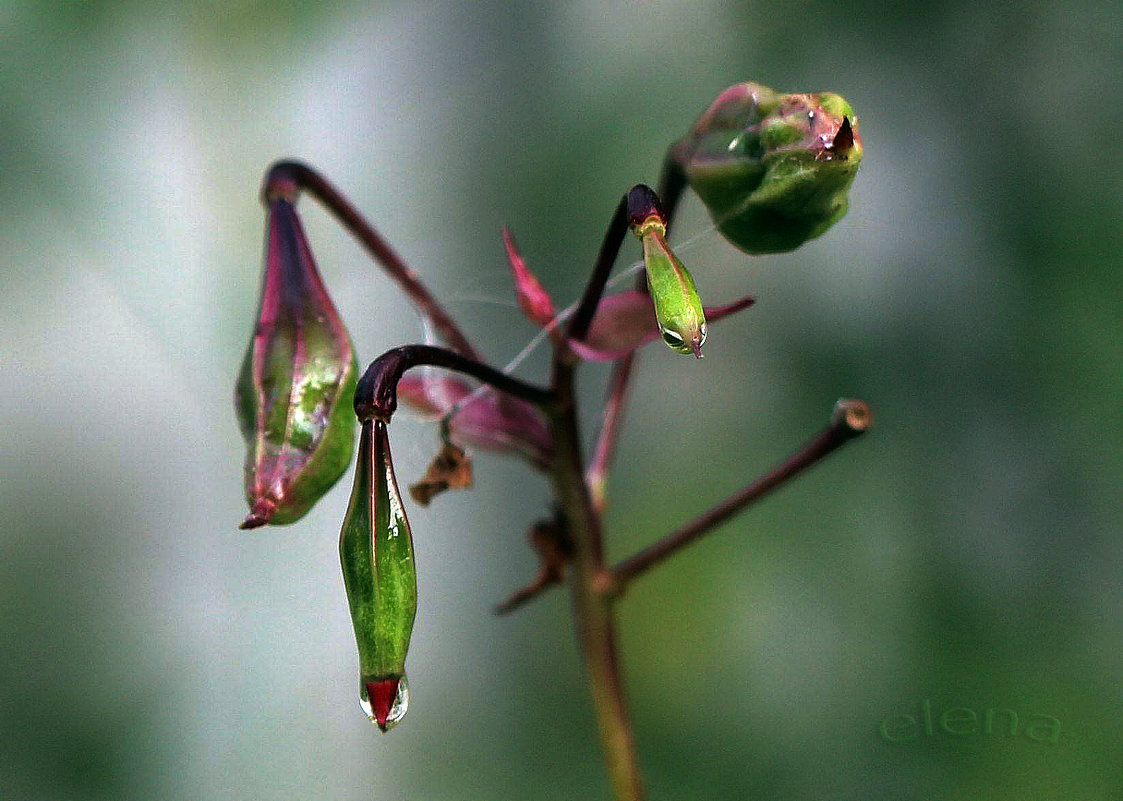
297,381
376,552
772,169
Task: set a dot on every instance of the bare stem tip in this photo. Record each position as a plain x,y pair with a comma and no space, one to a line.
852,415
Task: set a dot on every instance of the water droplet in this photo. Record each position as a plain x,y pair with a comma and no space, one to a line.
384,712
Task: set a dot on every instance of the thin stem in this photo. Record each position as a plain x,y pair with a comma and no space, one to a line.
597,474
634,207
286,178
376,394
850,418
672,185
554,549
592,608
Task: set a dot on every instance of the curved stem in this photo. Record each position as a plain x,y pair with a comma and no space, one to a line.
376,394
287,178
634,207
850,418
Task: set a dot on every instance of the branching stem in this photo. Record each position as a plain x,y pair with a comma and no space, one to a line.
580,493
596,628
850,418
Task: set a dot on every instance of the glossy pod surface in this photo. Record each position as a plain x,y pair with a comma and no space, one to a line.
296,384
376,553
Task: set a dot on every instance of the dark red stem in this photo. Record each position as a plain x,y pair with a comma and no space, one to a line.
850,418
638,204
287,178
376,394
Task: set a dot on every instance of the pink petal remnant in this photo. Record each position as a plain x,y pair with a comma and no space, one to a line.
626,321
622,323
533,298
491,421
382,694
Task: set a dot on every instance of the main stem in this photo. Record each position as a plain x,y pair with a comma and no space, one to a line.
596,628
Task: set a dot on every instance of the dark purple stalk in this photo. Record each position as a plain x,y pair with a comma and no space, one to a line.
376,394
287,178
638,204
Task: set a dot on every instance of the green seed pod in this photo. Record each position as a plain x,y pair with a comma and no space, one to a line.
297,382
376,551
773,169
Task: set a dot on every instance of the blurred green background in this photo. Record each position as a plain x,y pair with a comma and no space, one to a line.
966,552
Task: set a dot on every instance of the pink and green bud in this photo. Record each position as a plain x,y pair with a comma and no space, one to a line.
533,298
627,321
376,552
490,421
294,392
772,169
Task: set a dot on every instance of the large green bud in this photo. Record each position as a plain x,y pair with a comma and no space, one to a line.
297,381
773,169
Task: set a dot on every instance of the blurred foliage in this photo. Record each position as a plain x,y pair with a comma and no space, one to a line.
967,551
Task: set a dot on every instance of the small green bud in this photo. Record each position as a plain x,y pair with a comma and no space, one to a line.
678,309
295,390
772,169
376,551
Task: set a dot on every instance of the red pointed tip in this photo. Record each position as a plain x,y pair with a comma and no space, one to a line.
382,694
696,346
